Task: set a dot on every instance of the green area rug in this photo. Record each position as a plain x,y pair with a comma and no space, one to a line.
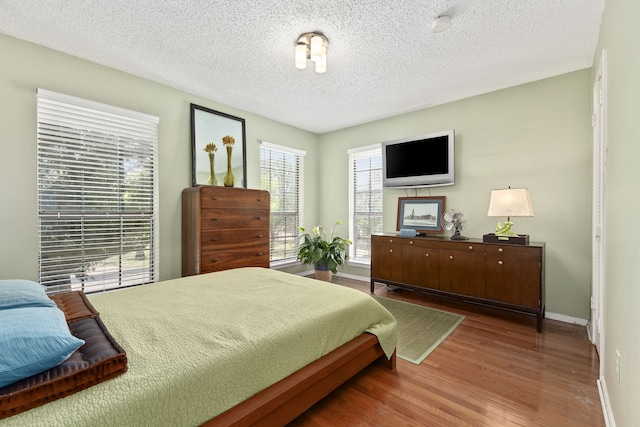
420,329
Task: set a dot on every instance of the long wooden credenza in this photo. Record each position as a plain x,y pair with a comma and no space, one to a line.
504,276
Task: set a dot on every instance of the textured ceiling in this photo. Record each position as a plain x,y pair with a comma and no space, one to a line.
383,59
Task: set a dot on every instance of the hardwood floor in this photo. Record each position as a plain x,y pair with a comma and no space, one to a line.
493,370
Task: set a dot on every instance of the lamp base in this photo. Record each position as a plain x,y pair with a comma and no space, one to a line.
521,239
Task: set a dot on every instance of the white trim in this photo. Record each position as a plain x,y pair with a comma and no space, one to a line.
551,316
606,403
275,265
566,319
284,148
359,263
354,277
85,103
365,148
345,275
598,232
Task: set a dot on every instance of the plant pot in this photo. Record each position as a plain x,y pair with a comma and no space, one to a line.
323,273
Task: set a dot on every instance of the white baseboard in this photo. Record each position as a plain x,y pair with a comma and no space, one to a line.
341,274
548,315
606,403
354,277
566,319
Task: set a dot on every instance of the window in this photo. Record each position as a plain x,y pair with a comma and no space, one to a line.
365,200
97,195
281,173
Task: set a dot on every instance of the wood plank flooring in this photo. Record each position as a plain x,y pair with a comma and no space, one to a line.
493,370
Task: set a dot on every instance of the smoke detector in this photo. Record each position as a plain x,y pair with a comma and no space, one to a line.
440,24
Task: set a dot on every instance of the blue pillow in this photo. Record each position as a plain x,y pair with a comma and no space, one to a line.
32,340
16,293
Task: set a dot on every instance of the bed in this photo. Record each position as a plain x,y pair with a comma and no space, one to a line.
244,346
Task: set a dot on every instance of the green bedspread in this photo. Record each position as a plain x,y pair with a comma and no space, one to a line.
197,346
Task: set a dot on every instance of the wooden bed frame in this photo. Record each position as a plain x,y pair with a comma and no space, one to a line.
290,397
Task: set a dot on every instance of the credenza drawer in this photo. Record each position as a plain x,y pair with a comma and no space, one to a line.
513,250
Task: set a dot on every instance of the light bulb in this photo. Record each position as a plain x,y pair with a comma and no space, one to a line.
301,56
321,65
316,48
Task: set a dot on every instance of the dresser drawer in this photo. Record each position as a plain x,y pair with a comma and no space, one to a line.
221,197
234,237
234,218
248,256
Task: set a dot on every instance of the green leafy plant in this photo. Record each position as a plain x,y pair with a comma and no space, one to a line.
316,249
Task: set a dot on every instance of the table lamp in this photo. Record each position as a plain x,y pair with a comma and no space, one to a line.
508,202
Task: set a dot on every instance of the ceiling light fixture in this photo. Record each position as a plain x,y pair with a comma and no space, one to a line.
440,24
312,46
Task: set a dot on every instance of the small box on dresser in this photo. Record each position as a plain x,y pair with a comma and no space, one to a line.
224,228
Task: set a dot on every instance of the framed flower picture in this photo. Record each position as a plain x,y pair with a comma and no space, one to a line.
218,148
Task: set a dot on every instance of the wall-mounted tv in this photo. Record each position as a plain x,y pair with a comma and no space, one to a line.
420,161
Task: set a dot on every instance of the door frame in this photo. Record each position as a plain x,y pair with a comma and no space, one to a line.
596,329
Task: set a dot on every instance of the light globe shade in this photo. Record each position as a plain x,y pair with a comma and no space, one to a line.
321,66
316,48
301,56
510,202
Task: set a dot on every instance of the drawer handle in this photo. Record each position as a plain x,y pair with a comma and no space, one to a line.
500,262
426,254
214,219
450,256
260,236
214,260
470,247
214,197
260,217
260,253
411,242
214,239
390,250
259,200
500,249
390,240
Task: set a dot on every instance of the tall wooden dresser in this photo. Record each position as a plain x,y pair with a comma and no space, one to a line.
224,228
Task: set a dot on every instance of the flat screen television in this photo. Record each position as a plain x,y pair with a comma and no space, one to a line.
420,161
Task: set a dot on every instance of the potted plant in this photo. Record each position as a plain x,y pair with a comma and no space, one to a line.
325,254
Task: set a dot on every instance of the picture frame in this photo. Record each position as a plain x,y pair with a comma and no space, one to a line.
422,214
210,126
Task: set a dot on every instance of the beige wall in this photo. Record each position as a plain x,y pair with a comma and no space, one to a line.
536,135
26,66
619,36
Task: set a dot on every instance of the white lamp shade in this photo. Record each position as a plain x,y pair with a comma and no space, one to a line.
316,48
301,56
510,202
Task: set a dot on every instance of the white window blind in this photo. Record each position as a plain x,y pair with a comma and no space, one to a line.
97,195
365,196
281,174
